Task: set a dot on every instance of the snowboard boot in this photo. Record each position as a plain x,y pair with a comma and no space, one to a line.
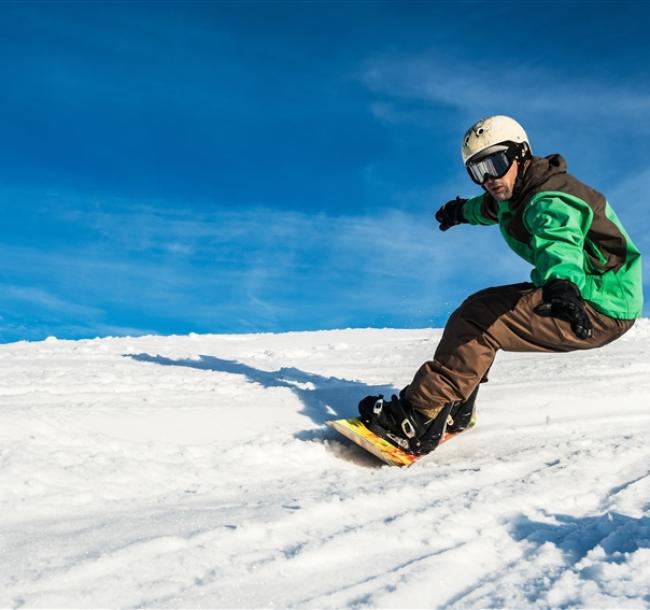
462,416
401,424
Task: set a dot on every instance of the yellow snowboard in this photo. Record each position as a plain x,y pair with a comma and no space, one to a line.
355,430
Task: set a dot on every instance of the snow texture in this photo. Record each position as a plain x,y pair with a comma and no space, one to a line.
198,472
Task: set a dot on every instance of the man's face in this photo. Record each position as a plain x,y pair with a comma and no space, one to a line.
502,188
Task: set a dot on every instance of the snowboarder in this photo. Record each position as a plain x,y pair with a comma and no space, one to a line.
586,288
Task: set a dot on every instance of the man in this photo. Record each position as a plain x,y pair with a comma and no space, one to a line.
586,288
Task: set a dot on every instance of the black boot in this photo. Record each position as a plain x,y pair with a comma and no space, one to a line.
462,414
403,425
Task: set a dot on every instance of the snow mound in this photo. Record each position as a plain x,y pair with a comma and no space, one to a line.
198,471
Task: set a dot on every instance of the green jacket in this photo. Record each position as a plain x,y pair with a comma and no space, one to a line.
568,231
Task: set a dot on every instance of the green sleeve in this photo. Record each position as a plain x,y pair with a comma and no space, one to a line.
481,210
558,224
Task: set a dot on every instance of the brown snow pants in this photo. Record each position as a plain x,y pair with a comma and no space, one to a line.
490,320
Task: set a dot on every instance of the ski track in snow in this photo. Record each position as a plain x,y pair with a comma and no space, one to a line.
197,471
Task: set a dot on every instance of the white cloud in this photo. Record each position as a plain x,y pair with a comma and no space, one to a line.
40,298
518,88
257,268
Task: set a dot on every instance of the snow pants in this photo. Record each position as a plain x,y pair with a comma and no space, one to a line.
497,318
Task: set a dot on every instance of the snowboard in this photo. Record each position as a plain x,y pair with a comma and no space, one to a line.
354,430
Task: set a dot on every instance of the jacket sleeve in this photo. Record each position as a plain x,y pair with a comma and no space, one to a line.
558,225
481,210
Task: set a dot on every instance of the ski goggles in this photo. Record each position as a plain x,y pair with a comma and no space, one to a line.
495,165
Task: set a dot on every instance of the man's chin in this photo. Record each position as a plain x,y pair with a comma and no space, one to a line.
500,194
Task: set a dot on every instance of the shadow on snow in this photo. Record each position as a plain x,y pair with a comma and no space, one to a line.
617,534
323,398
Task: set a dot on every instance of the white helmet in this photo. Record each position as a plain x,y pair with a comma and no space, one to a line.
494,133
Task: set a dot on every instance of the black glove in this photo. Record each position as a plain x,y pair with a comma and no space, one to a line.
561,299
451,214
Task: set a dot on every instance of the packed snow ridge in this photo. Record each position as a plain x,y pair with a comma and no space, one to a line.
197,471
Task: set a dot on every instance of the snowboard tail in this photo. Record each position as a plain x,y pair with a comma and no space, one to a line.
355,430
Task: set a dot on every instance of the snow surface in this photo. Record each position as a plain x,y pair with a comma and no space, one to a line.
197,471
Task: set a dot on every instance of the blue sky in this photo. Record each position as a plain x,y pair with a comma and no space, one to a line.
268,166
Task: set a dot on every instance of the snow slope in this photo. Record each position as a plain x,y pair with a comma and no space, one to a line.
197,472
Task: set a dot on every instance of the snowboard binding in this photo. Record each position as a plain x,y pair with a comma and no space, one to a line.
402,425
462,415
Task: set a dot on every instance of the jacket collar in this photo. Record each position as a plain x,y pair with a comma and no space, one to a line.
536,172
